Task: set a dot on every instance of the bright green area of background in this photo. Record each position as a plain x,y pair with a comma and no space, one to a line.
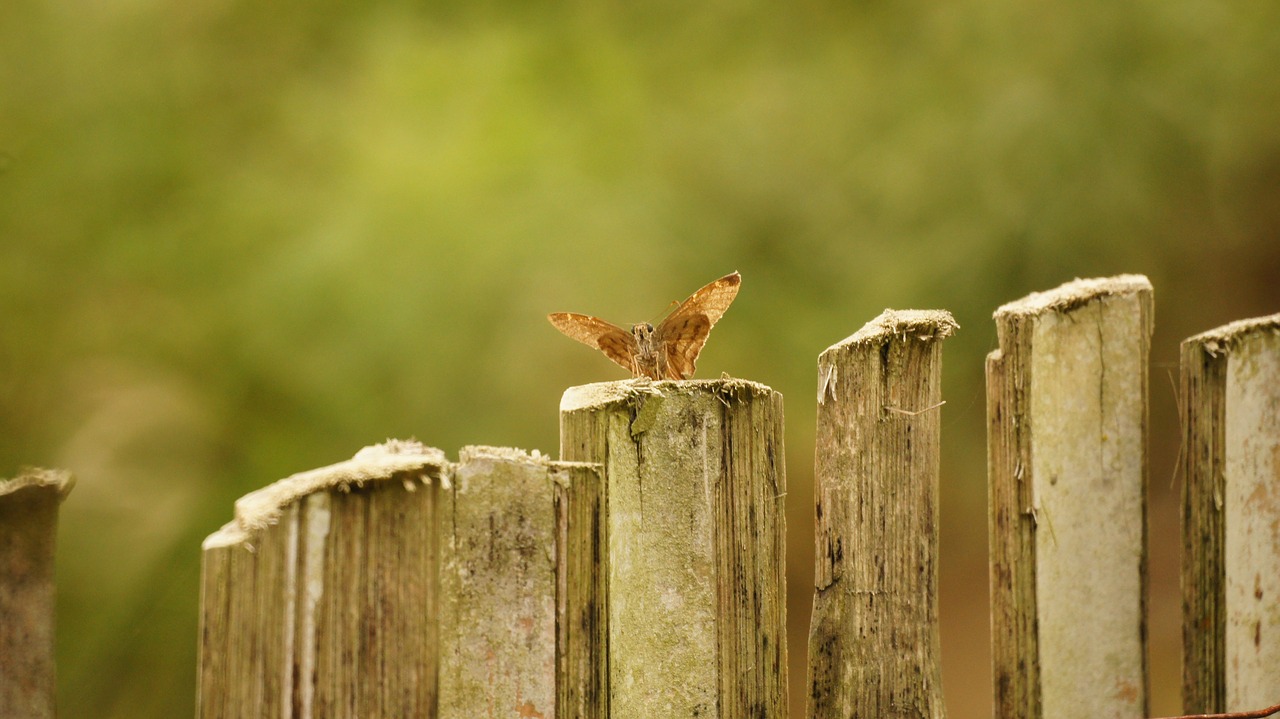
239,240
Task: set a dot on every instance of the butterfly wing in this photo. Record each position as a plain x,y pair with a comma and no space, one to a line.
683,333
616,343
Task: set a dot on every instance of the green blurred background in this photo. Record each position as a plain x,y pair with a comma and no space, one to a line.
243,239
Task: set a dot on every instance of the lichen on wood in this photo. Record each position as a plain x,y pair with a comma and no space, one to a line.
694,598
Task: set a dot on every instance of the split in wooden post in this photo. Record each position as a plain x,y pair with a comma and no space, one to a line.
1067,426
28,532
319,599
695,606
873,639
1230,387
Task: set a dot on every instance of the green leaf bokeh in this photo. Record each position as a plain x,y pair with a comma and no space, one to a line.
239,240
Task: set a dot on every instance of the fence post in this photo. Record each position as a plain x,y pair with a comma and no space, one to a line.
319,599
1067,424
582,669
1231,517
695,613
28,531
873,639
498,583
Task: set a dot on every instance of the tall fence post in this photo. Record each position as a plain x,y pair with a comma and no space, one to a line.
873,640
320,598
695,609
28,531
1067,426
1231,517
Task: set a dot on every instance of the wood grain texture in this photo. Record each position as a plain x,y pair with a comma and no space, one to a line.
1230,387
1067,423
498,583
582,640
320,599
695,609
873,641
28,531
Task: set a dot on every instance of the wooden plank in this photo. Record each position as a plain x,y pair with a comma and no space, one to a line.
28,533
1067,414
319,599
1231,516
873,641
695,609
498,583
582,667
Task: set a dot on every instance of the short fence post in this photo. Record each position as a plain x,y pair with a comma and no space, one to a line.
498,583
319,599
873,640
1231,517
1067,424
694,612
28,530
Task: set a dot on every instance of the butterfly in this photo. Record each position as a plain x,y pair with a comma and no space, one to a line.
668,351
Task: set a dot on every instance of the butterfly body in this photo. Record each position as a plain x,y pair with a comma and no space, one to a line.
668,351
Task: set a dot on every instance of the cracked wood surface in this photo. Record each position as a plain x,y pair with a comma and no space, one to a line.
1230,389
873,641
319,599
1067,424
695,607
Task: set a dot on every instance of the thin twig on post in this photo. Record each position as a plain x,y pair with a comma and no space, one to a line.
319,599
28,530
1067,424
695,602
873,641
1231,516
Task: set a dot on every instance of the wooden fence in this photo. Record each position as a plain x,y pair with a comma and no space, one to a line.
642,575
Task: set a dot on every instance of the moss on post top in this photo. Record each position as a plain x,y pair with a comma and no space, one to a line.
598,394
1073,294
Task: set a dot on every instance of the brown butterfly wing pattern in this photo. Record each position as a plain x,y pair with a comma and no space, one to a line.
616,343
683,333
668,352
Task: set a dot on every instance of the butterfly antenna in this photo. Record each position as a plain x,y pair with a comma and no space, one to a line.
662,315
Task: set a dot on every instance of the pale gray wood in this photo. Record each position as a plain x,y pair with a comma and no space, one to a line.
319,599
1067,414
498,583
873,640
28,533
695,596
1231,516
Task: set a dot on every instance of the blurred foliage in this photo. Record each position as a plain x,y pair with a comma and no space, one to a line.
240,240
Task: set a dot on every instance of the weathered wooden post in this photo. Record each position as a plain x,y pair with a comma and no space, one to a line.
503,536
320,598
28,531
694,615
1067,426
398,585
1231,517
873,639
